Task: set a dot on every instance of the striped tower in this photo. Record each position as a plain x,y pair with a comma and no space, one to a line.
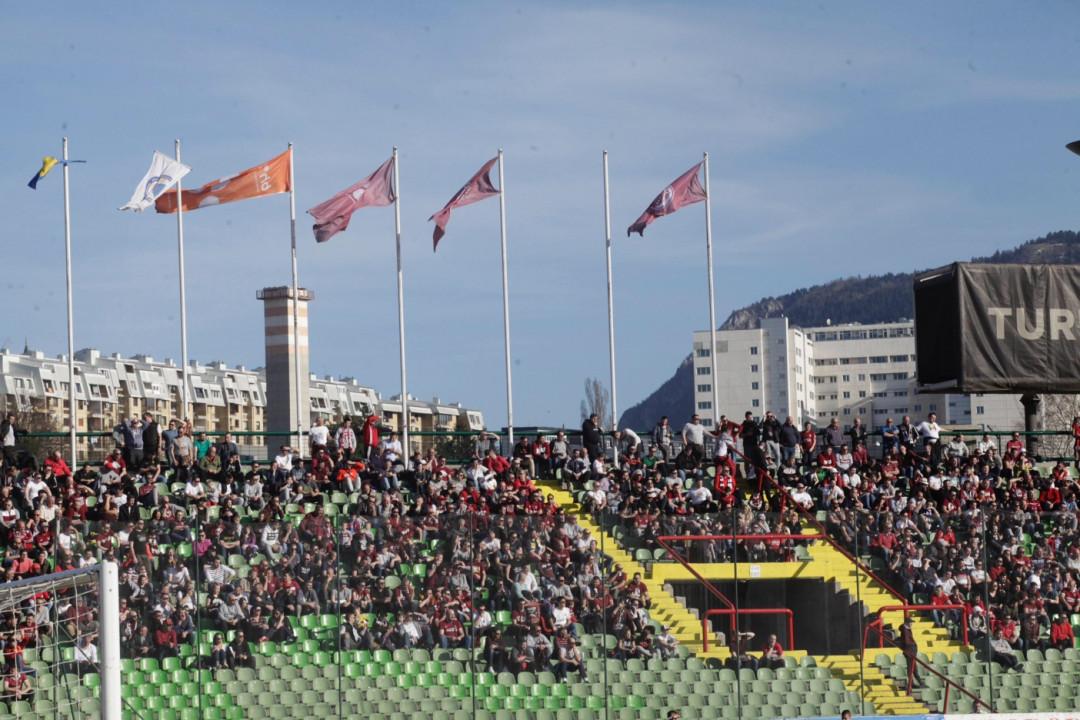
283,366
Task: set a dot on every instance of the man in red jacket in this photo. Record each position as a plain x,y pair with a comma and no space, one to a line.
1061,633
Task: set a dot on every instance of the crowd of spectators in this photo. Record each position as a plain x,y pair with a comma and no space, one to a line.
404,551
409,551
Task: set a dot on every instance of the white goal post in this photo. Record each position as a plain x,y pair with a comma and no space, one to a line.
66,620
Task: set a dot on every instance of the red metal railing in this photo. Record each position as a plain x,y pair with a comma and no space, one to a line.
763,475
664,540
730,612
879,622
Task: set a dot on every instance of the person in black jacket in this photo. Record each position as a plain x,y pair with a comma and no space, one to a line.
789,439
151,438
770,433
857,433
592,437
750,434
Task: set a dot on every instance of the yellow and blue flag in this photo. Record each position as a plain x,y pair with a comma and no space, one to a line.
47,163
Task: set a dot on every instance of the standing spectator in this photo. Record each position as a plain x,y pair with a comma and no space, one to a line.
770,433
8,433
169,438
750,433
662,438
857,433
906,433
910,648
890,437
693,437
930,434
151,438
789,439
133,443
183,448
345,438
369,436
227,449
834,436
560,452
319,435
592,437
809,445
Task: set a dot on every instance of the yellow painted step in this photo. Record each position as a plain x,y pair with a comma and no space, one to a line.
833,564
665,609
875,687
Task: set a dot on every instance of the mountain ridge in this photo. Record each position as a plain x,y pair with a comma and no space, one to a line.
856,299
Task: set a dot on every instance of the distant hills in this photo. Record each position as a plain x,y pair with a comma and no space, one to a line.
878,298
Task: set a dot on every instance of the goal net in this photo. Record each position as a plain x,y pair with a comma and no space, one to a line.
61,645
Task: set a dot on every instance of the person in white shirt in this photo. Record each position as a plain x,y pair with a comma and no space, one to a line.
319,435
86,655
699,496
958,448
930,432
693,436
984,445
194,489
392,448
630,438
561,615
283,461
34,487
802,498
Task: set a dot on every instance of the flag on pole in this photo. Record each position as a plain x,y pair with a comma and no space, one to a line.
332,216
686,190
269,178
478,188
47,164
164,172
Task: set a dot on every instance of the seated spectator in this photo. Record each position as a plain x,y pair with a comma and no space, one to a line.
772,655
1002,652
569,660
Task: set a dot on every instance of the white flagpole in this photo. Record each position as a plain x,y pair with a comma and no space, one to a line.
506,308
712,294
296,310
183,292
70,313
610,305
401,312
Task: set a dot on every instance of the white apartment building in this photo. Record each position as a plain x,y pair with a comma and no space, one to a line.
110,388
833,371
756,370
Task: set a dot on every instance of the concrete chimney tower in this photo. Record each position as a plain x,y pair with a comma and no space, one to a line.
283,367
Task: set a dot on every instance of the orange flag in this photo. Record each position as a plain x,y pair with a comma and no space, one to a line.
268,178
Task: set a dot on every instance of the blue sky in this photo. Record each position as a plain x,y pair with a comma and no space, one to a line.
845,138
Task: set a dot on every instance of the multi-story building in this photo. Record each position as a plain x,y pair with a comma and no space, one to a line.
110,388
833,371
756,370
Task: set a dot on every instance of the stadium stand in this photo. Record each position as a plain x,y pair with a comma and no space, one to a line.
530,586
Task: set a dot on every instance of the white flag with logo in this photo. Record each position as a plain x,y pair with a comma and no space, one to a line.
164,172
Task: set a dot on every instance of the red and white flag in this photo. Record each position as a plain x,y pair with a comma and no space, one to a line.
332,216
478,188
686,190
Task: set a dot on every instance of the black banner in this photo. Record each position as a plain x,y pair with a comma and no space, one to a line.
998,329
